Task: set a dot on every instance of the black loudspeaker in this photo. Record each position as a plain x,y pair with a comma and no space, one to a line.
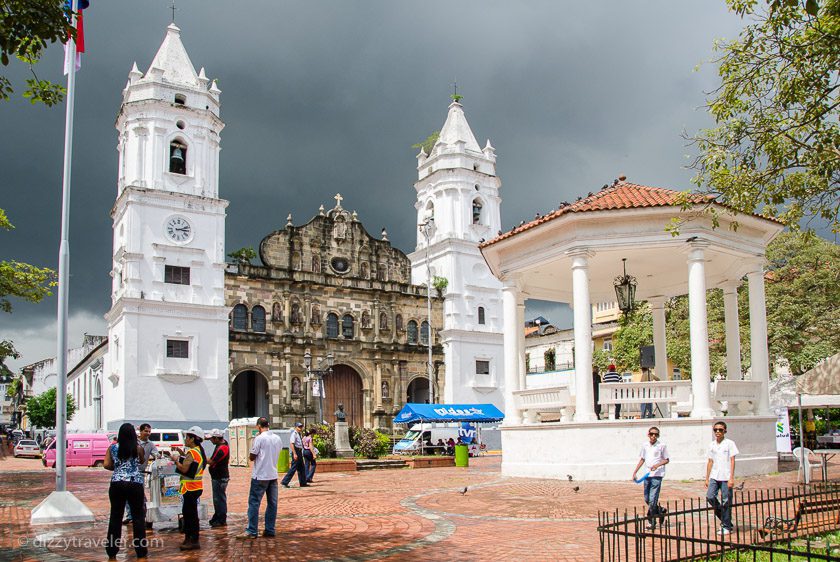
647,357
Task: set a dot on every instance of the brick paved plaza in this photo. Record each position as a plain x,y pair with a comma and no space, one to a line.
410,514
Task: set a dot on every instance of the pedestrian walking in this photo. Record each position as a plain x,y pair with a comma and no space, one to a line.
611,376
219,477
296,457
190,465
310,455
654,455
265,451
720,476
124,458
150,452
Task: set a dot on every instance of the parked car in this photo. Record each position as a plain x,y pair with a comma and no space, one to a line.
27,448
165,439
83,449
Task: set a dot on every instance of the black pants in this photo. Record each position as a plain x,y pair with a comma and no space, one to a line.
121,493
296,465
190,513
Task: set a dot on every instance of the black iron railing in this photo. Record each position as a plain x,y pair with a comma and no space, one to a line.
780,523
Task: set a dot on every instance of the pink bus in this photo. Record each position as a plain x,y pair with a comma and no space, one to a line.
83,449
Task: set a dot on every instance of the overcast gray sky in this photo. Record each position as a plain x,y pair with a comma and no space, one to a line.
322,97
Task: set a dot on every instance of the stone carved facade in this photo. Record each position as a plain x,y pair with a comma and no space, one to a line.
352,301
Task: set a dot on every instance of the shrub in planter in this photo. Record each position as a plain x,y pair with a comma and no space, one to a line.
324,439
368,443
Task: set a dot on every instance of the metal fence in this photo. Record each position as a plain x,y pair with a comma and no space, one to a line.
776,524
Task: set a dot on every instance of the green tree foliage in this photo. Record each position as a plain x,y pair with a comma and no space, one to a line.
243,255
324,439
776,144
369,443
41,409
23,281
26,28
427,144
803,292
802,289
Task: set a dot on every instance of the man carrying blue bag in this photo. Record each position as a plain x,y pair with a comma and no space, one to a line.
654,455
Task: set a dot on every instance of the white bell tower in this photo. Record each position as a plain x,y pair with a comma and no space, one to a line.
168,324
458,190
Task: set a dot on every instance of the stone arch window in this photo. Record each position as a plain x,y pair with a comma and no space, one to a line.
347,327
429,214
180,99
383,321
424,333
481,315
316,264
412,332
240,317
476,211
398,322
258,319
177,157
332,325
365,270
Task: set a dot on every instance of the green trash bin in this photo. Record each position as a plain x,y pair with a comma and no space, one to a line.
283,461
462,455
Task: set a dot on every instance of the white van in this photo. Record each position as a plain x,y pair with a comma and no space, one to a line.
165,439
423,434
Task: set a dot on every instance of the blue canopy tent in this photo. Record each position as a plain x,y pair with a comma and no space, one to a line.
476,413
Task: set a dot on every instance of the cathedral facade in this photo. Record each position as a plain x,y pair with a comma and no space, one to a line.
329,290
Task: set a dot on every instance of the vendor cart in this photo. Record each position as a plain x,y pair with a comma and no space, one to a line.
164,500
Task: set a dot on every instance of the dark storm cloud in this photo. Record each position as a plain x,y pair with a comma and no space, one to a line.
326,97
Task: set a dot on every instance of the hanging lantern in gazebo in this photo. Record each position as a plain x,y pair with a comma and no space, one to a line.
625,290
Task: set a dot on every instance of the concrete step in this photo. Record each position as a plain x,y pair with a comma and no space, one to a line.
379,464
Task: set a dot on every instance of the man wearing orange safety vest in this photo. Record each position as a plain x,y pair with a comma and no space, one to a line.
190,465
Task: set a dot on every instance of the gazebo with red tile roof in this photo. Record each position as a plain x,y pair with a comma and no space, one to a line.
574,253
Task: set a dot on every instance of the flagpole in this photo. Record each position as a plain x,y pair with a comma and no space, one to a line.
64,271
62,506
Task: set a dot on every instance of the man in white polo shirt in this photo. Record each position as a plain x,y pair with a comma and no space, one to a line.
720,476
654,456
265,451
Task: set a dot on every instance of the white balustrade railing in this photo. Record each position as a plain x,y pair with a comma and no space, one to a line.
741,396
553,399
675,395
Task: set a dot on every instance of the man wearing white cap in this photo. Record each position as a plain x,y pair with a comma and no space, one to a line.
219,477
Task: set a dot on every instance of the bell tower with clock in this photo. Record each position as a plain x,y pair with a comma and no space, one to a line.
168,324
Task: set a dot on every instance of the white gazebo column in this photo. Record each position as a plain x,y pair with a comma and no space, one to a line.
699,332
759,360
733,337
520,343
511,299
584,394
657,308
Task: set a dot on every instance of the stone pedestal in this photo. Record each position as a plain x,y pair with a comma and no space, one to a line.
342,441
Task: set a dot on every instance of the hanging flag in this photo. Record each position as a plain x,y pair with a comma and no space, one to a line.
80,36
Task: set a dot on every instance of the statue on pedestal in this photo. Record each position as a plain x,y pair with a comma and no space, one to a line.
342,434
340,415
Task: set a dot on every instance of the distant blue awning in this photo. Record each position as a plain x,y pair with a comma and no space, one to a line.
479,413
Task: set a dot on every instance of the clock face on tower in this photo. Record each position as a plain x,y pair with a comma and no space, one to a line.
178,229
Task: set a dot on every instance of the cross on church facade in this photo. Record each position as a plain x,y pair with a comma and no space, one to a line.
173,8
338,199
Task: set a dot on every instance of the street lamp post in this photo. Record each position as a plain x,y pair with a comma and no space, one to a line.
426,228
319,374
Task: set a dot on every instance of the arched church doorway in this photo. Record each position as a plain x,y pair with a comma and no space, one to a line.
344,386
418,391
249,397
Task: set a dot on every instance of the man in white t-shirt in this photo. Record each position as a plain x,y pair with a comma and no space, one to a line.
720,476
265,450
654,455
